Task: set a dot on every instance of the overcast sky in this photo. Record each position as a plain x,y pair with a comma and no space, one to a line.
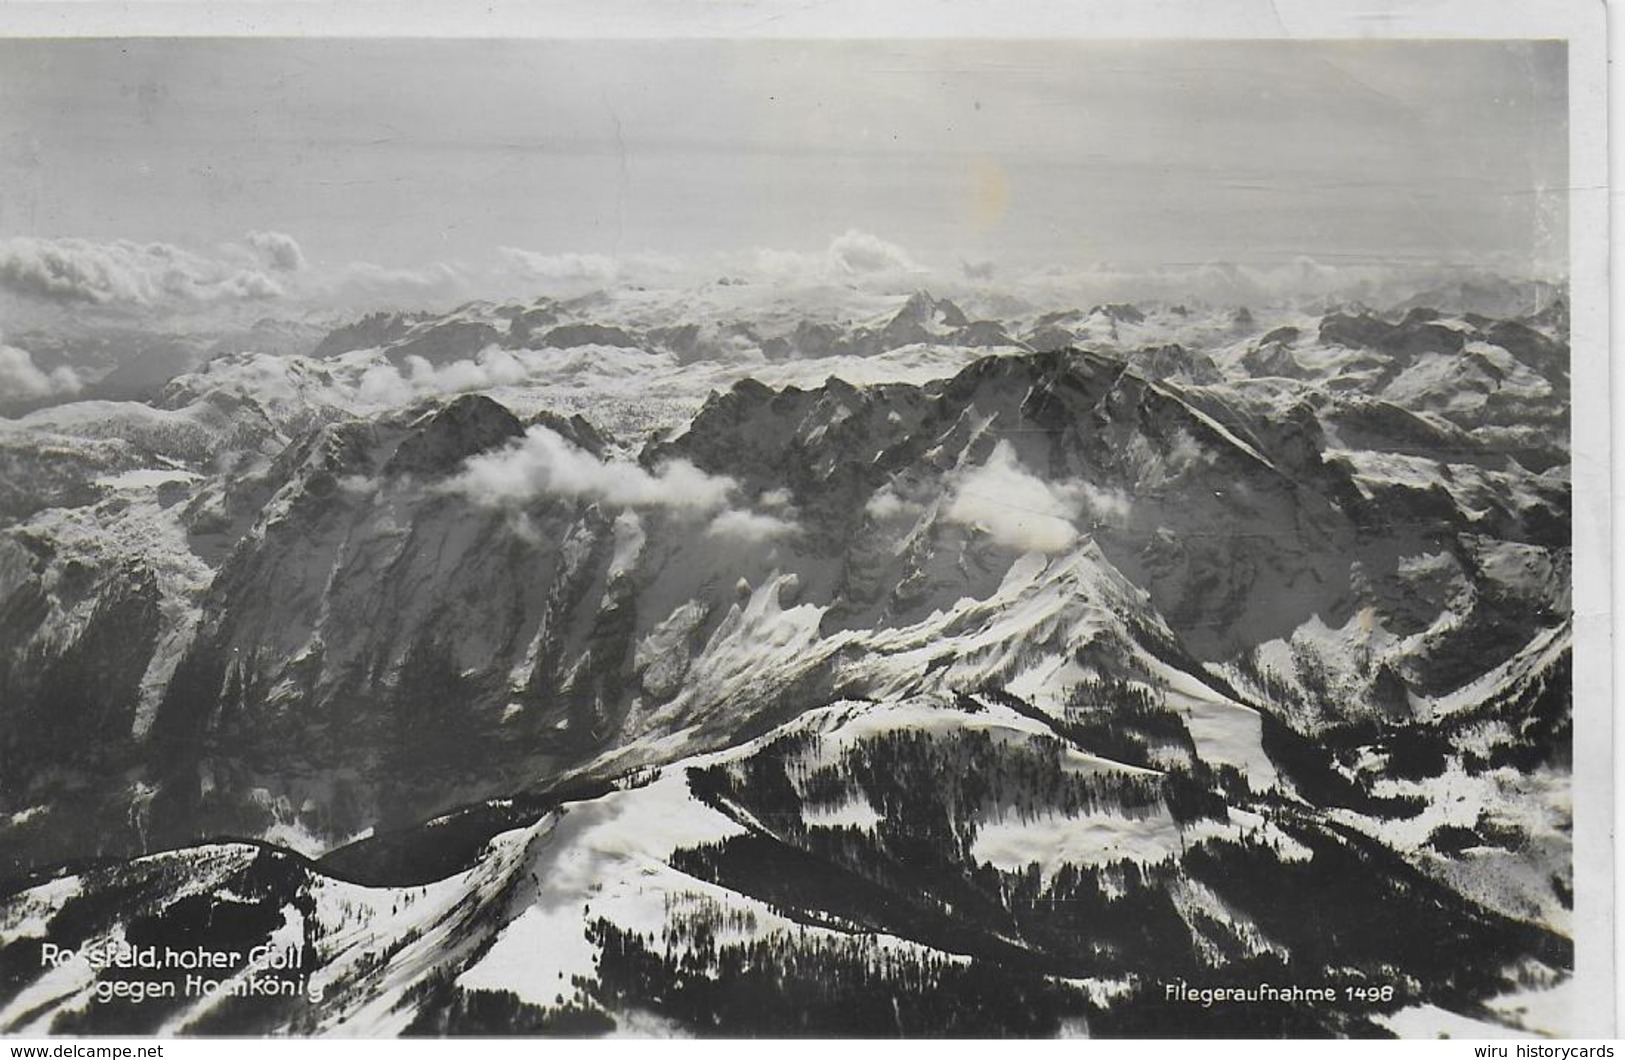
1032,154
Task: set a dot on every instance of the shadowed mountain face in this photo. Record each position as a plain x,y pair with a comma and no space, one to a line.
1007,688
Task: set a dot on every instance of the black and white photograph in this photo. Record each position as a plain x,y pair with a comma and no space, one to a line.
754,532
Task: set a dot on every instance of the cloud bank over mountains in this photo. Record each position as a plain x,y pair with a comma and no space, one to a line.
269,270
268,273
124,274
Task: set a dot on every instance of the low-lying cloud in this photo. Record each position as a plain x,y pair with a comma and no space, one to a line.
1014,507
750,527
383,383
545,464
885,504
1103,506
21,378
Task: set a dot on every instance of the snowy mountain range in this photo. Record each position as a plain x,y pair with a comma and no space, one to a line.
744,661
